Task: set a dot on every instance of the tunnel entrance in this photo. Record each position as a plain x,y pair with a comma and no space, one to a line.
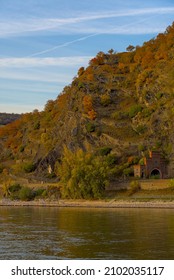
156,173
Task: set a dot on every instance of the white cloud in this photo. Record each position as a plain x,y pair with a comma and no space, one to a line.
34,87
17,108
23,26
26,62
45,77
48,70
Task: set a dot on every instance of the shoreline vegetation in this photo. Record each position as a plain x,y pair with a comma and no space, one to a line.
110,203
159,195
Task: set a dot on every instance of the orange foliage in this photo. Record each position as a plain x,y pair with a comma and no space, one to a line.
87,103
88,107
99,60
130,159
92,114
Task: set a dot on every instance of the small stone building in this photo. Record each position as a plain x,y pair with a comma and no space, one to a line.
154,165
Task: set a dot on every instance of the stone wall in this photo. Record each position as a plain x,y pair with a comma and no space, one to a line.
116,185
155,184
149,184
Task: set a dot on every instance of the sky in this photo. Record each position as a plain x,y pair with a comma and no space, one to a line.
43,43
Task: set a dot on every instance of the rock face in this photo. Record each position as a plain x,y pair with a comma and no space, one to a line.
122,101
48,162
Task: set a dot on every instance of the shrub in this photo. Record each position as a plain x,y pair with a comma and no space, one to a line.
111,159
12,191
15,188
142,161
134,110
105,151
90,127
141,147
44,194
21,148
38,192
16,191
147,112
105,100
52,192
171,184
159,95
134,187
36,125
98,131
26,193
29,167
81,85
128,171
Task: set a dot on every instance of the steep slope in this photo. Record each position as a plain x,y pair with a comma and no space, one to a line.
6,118
122,102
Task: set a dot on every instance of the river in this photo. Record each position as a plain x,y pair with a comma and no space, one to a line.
78,233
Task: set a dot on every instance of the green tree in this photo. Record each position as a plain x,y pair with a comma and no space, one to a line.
26,193
82,174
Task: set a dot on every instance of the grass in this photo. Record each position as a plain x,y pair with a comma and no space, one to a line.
142,195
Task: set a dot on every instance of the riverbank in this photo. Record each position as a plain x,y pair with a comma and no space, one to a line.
90,204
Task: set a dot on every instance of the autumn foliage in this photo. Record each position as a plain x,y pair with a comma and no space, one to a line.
88,107
124,98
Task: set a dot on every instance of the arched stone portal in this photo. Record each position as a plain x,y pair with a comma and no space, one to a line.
153,166
156,172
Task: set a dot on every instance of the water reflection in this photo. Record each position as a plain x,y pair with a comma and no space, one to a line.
77,233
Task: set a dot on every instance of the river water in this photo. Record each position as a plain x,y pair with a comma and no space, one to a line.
80,233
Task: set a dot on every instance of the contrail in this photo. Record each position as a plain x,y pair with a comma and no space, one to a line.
86,37
63,45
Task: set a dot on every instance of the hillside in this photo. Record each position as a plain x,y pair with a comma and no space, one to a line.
6,118
119,107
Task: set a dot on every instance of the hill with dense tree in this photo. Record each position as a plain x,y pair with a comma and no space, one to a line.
6,118
118,108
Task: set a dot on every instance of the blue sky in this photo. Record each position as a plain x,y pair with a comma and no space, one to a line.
44,42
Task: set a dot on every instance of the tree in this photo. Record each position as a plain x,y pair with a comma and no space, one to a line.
130,48
81,71
49,105
82,174
88,107
111,51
